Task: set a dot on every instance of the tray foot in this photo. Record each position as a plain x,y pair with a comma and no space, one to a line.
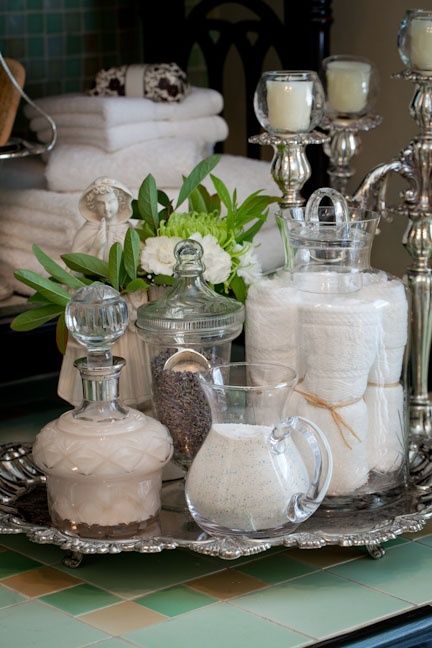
72,559
375,551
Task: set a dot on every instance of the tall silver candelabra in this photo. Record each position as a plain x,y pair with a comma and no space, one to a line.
290,167
344,144
414,163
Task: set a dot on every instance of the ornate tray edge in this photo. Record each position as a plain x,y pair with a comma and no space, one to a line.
16,459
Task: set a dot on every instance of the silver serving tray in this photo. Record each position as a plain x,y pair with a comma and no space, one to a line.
23,509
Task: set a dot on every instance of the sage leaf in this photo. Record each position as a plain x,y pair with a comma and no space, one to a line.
239,288
135,210
148,202
131,253
31,319
61,334
114,263
196,176
136,284
197,202
49,289
53,268
163,198
249,234
87,264
222,192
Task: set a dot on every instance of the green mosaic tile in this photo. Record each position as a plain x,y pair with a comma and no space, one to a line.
300,604
275,569
35,47
35,23
112,643
55,46
216,626
15,5
109,20
14,47
36,69
92,21
80,599
48,554
405,572
55,68
175,600
73,44
7,597
427,540
72,21
72,4
15,24
13,563
35,624
73,85
54,23
34,4
73,67
132,575
53,87
53,4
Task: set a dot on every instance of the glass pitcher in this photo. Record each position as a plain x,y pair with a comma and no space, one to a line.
345,330
259,473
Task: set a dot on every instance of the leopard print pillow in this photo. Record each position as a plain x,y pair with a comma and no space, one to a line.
160,82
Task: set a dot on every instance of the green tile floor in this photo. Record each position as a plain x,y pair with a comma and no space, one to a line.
167,599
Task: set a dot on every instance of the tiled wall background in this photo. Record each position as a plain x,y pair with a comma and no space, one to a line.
63,43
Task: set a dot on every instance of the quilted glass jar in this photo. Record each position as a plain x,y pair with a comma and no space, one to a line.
343,327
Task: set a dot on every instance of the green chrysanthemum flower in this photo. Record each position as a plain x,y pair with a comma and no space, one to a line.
184,225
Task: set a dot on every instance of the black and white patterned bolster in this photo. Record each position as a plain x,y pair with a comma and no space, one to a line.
157,81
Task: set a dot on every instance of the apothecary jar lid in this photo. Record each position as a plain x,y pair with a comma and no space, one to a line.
190,311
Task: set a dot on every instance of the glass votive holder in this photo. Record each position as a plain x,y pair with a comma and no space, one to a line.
351,84
288,102
415,40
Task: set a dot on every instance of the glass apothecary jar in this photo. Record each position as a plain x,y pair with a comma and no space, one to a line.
343,328
186,331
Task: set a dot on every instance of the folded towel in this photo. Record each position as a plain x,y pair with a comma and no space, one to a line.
12,259
271,320
28,231
203,129
338,345
386,437
71,168
350,462
83,110
24,244
48,203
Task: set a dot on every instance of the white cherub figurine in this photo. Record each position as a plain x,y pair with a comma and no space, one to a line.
106,206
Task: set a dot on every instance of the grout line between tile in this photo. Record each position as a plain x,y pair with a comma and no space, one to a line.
374,589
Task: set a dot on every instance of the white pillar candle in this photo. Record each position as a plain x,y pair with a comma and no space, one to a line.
289,105
421,44
348,85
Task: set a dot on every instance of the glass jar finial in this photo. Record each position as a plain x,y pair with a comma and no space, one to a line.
96,317
188,254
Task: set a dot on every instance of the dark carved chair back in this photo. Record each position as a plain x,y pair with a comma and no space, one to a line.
300,39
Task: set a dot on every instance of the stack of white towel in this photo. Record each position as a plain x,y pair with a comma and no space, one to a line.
127,137
122,138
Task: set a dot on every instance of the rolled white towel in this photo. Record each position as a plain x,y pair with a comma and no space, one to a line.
391,302
205,130
386,434
271,321
71,168
338,344
83,110
350,464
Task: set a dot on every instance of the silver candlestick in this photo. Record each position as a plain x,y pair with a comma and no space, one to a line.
414,163
290,167
344,144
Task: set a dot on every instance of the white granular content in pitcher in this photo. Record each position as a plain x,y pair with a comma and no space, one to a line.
237,481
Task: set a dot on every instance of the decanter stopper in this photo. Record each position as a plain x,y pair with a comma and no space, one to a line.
97,316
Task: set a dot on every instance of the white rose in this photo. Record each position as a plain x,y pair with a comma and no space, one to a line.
249,268
217,262
157,256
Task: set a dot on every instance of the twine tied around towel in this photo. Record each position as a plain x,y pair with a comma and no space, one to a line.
383,385
339,420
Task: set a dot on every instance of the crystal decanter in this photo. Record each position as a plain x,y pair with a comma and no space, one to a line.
103,461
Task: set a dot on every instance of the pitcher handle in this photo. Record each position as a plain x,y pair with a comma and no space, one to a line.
304,504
